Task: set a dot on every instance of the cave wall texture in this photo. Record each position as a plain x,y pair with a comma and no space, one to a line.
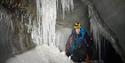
15,36
112,13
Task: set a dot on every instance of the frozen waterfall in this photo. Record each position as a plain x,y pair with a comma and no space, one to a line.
44,30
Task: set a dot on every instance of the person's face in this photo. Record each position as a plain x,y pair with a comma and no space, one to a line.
77,31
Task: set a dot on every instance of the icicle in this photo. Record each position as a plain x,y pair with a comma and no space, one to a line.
67,6
98,29
48,21
95,30
44,33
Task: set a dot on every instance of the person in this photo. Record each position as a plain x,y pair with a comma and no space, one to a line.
78,44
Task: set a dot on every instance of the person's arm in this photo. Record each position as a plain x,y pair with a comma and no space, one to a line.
84,37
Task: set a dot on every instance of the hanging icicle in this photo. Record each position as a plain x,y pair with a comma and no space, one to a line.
44,31
99,28
67,6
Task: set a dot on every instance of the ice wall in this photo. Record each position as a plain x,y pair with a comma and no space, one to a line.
99,29
44,29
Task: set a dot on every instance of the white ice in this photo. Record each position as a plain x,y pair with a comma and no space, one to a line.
41,54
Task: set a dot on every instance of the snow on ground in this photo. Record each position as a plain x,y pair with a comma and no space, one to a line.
41,54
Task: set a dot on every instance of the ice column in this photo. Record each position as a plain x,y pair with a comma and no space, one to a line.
43,31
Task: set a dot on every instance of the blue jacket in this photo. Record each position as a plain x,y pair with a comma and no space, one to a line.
78,40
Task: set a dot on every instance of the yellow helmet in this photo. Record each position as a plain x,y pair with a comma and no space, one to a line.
77,25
